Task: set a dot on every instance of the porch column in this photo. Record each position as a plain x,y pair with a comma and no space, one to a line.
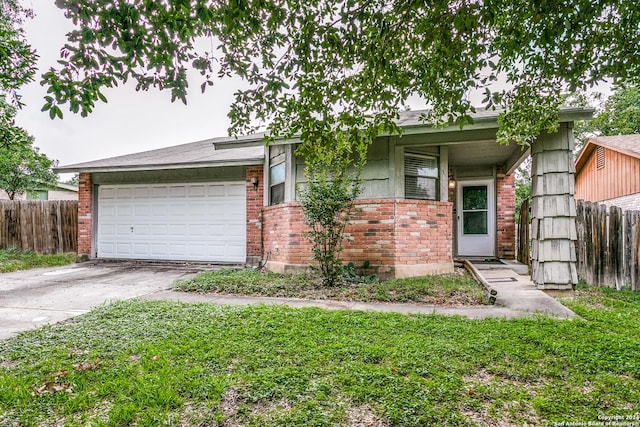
85,220
553,211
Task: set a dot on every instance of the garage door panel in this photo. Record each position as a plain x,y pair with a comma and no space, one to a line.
236,190
158,192
141,249
177,191
142,210
141,230
197,191
123,230
124,210
159,229
107,210
197,250
196,230
108,193
107,248
124,193
198,209
200,221
106,229
123,248
235,230
159,210
140,193
234,250
216,190
178,249
178,209
159,250
178,230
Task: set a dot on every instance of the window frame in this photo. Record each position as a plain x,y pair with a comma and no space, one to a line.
279,183
435,177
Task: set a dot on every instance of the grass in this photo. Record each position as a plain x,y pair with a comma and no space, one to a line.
13,259
449,289
150,363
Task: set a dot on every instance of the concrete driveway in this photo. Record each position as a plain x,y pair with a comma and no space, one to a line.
32,298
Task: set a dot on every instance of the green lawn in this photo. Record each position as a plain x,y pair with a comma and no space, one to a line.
164,363
12,260
449,289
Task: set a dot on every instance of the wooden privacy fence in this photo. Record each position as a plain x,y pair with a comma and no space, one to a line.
608,245
46,227
524,234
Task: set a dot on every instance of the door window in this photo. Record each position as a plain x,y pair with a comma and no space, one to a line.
474,210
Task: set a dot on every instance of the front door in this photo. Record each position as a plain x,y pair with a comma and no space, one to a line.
476,218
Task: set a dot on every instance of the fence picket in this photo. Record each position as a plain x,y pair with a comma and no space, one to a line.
46,227
608,246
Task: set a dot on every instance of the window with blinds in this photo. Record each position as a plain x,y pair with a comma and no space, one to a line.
276,184
420,177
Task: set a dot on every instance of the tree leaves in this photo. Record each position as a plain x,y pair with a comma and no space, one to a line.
318,60
17,58
22,166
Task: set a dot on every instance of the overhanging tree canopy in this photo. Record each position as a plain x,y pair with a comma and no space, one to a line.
17,58
23,167
314,67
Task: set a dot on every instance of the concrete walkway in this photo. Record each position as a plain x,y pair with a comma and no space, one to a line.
517,292
470,312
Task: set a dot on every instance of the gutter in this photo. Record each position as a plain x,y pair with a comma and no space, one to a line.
135,168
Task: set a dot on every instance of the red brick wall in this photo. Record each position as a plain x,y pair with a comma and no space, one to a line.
385,232
424,232
255,200
84,215
506,215
283,236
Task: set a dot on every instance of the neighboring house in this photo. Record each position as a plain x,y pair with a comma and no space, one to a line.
59,191
608,171
430,196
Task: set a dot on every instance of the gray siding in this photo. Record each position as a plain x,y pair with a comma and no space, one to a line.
376,172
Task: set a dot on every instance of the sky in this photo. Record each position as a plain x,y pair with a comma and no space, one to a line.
130,122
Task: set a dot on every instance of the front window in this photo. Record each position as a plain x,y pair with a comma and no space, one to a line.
420,177
276,184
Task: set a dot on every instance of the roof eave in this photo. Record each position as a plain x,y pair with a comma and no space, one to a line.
586,151
590,146
490,121
136,168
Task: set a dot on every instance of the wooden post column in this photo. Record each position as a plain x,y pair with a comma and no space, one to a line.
553,211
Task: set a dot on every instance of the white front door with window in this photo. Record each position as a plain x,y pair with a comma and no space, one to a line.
476,213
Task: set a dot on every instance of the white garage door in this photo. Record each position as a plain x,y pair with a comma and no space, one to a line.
191,222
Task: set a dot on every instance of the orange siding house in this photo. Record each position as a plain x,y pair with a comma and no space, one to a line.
608,170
